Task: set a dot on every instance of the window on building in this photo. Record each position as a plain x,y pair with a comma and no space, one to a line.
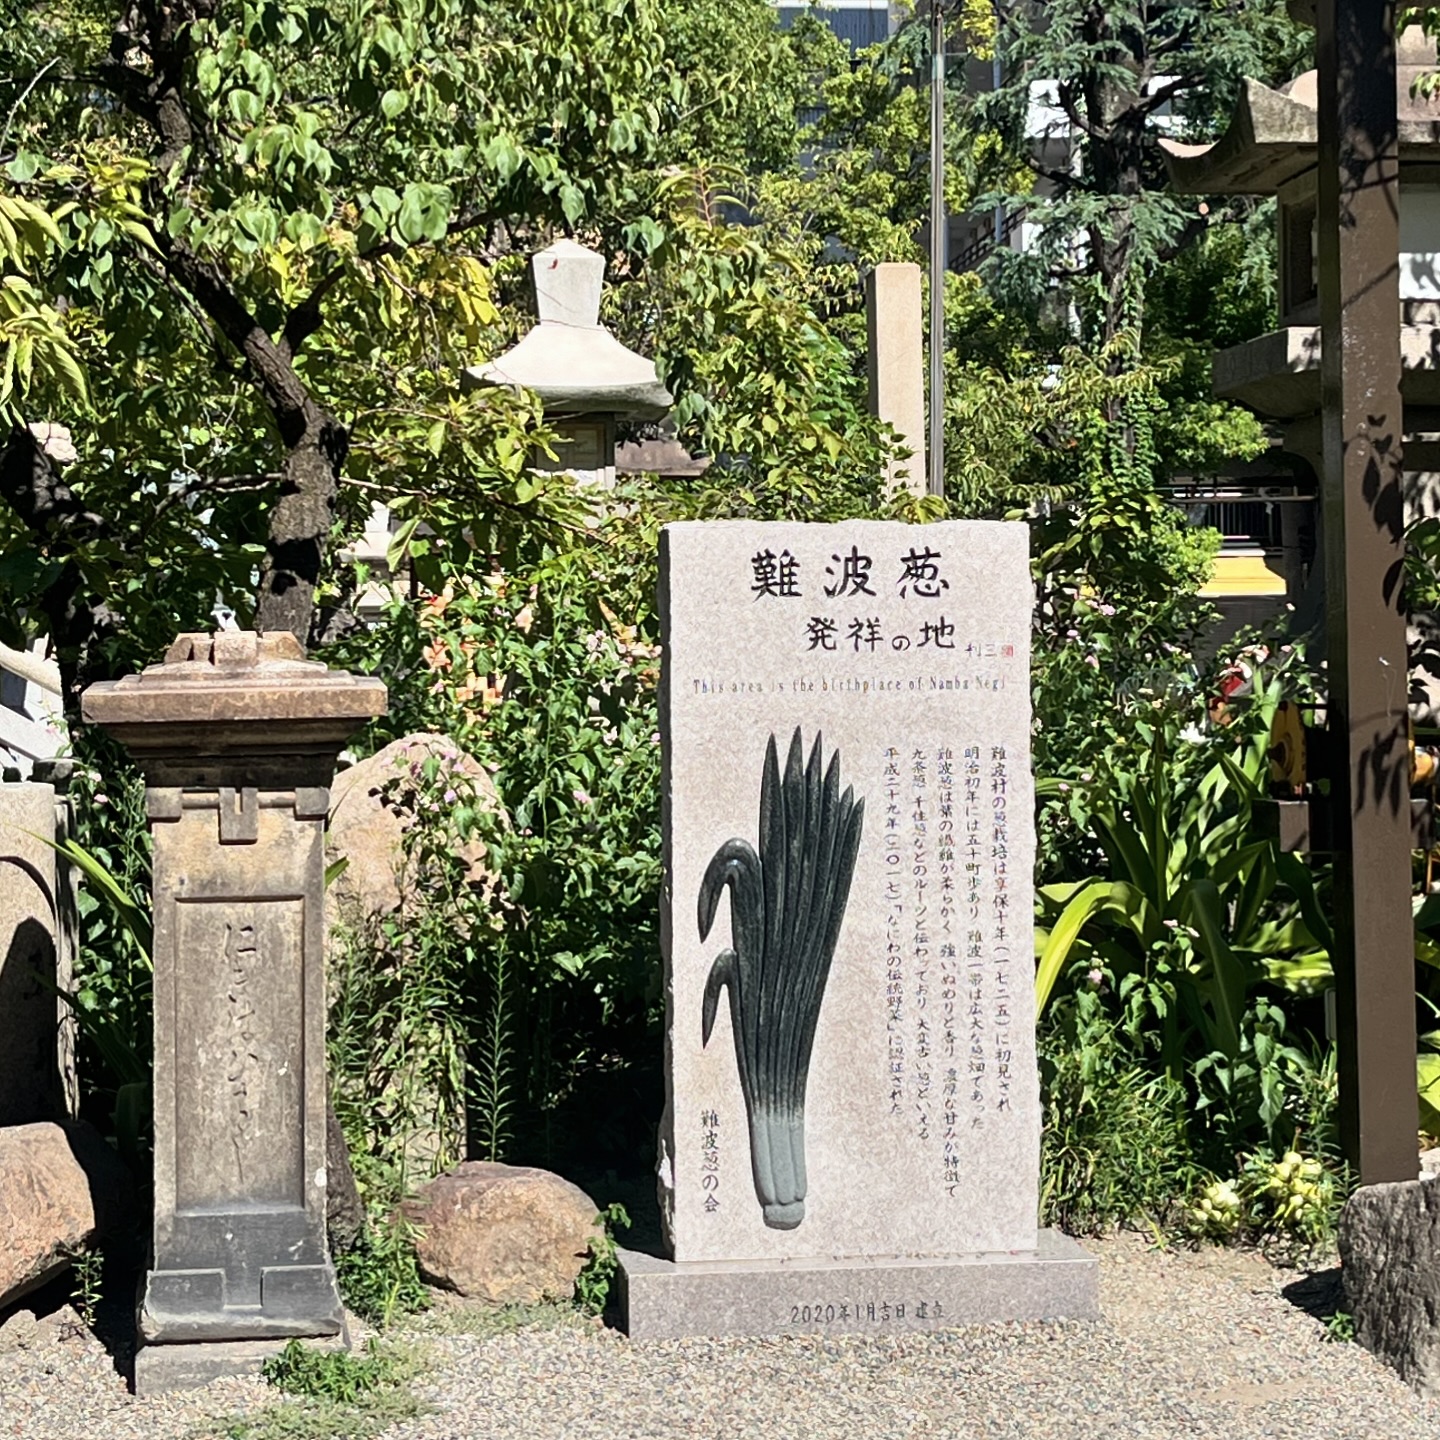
859,22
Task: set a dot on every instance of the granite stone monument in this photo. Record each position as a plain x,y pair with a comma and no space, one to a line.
237,735
37,1061
851,1134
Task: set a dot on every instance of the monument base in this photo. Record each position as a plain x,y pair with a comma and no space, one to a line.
159,1368
660,1300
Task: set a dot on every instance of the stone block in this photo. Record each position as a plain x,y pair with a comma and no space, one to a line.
849,852
61,1189
237,735
660,1300
372,807
161,1368
1390,1261
37,1070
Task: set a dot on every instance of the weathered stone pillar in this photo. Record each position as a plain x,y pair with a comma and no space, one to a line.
237,736
894,308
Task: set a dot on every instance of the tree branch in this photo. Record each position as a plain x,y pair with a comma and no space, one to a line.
31,485
304,320
284,392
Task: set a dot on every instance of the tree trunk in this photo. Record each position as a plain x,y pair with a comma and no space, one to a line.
300,524
31,484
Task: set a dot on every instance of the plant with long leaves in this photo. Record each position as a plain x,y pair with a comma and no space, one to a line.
1192,912
786,907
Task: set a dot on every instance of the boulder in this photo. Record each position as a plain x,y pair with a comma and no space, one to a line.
1390,1260
61,1189
507,1234
372,805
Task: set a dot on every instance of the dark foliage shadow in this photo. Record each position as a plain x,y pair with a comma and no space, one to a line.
1320,1295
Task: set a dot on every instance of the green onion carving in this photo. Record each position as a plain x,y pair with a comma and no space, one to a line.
786,907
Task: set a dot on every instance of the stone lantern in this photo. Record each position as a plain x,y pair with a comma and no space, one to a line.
584,376
237,736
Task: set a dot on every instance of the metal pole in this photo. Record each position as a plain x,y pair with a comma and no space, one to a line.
937,247
1363,516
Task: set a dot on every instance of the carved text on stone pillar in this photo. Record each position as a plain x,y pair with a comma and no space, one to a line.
239,1027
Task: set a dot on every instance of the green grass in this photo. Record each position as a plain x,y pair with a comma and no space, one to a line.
320,1419
334,1396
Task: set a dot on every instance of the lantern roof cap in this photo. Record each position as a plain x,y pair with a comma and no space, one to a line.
569,359
1273,135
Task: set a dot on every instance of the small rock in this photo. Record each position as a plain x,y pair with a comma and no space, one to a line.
20,1332
61,1188
1390,1258
503,1233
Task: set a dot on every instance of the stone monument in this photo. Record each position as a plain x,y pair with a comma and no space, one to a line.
237,735
851,1135
37,941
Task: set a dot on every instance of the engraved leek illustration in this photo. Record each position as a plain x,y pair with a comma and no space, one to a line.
786,906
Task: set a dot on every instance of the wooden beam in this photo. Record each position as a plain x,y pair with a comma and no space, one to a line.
1363,516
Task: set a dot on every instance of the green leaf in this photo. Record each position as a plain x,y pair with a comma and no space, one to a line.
572,203
1203,908
410,221
1427,1075
1066,931
132,915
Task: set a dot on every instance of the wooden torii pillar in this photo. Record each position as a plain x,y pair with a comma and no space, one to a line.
1361,489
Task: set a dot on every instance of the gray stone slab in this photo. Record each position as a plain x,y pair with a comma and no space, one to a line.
881,1099
1389,1244
37,1073
662,1300
161,1368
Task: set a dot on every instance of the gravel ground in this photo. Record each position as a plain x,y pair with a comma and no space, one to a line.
1192,1346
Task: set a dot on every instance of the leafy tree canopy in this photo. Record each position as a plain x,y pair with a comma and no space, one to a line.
249,246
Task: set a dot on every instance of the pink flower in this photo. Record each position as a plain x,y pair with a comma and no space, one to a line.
581,797
1095,979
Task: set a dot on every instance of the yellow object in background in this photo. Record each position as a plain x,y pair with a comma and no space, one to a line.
1249,574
